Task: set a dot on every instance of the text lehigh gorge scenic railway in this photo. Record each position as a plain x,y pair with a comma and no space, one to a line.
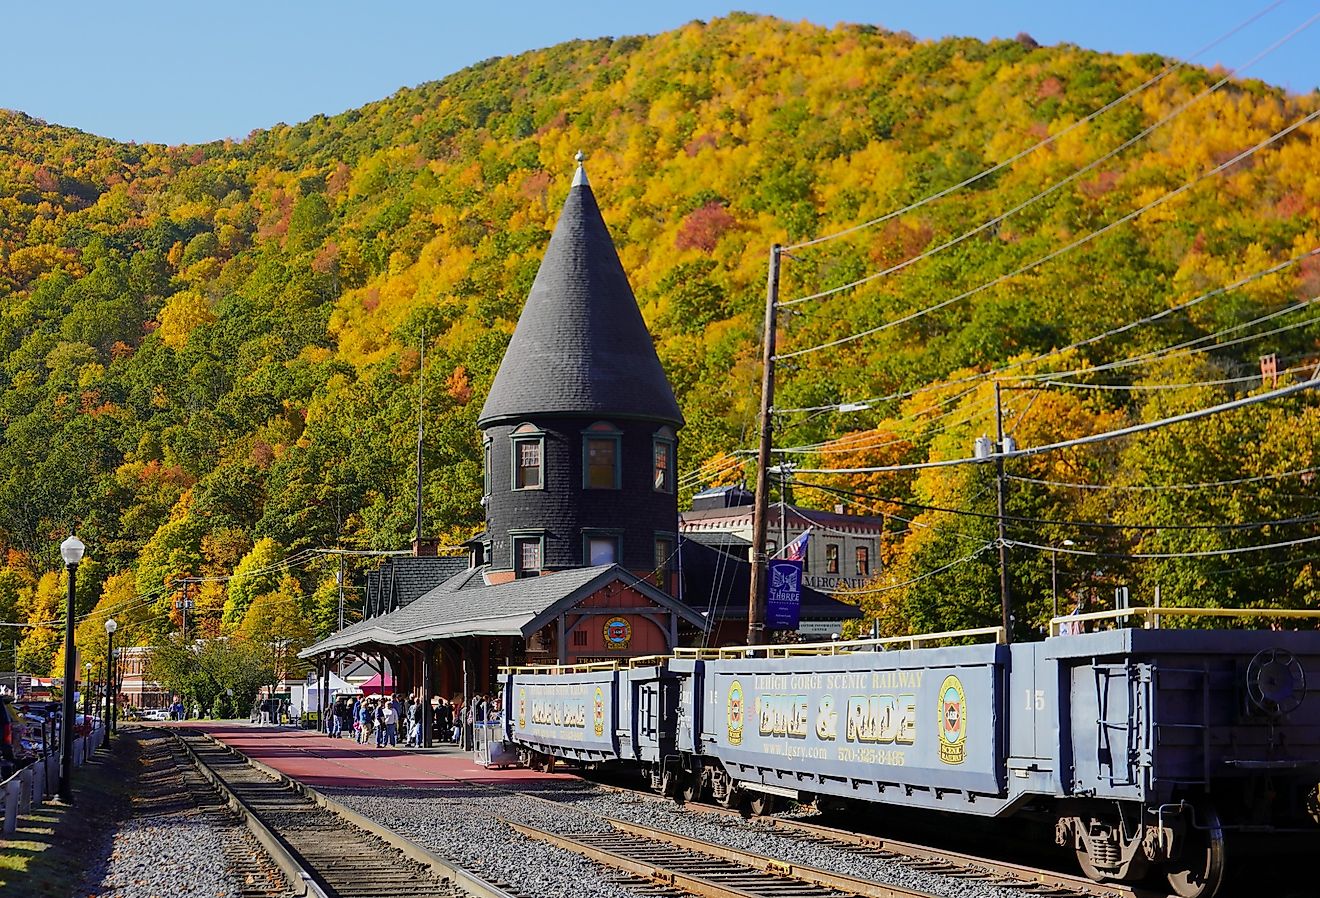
756,459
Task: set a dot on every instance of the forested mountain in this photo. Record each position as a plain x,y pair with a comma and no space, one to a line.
211,355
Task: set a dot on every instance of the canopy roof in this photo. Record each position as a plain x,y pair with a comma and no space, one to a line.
465,606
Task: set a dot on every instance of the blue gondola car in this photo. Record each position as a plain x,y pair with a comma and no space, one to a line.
1146,748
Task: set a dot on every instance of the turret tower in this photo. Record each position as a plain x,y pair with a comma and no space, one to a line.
581,426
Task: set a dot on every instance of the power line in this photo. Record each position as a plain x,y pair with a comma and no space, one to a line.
1188,347
1070,385
1056,186
1080,525
1206,553
1043,143
939,570
1054,254
1096,338
1081,441
1170,486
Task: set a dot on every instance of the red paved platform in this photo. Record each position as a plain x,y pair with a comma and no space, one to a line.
318,760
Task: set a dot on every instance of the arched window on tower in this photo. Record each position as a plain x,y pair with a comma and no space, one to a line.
600,457
528,457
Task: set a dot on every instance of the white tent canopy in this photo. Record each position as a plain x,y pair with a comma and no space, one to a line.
338,686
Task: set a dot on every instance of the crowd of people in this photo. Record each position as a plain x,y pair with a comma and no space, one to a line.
393,720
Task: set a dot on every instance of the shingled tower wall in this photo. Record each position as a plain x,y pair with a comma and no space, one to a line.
580,365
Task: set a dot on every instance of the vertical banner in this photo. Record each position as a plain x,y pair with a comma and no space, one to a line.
783,600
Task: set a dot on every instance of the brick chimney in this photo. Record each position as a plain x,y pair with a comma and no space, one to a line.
428,547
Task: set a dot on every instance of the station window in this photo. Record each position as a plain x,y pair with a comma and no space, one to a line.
771,548
863,561
831,558
600,457
487,482
662,454
579,639
600,548
664,559
528,458
527,551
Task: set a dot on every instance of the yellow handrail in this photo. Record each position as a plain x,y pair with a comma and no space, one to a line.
560,668
838,648
1177,611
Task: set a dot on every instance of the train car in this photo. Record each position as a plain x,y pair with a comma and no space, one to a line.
593,715
1149,750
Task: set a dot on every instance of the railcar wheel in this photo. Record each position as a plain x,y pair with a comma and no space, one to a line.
761,805
671,783
1200,870
691,790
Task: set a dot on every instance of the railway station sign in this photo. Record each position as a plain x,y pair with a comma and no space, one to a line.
783,601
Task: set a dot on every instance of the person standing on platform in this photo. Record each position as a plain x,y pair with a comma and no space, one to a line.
415,737
357,719
444,715
389,720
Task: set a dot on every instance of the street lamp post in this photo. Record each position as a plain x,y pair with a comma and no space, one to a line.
71,550
110,627
87,689
1054,574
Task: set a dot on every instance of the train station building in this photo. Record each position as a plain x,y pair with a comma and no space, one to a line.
581,557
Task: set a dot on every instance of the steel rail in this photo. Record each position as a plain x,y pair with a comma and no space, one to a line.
920,857
296,876
701,872
928,858
839,882
318,859
1017,874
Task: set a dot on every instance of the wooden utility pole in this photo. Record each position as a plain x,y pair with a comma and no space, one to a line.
761,509
421,432
1005,597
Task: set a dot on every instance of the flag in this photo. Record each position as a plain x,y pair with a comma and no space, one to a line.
797,549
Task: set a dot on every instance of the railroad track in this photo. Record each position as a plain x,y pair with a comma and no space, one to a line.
710,871
327,852
183,785
1028,880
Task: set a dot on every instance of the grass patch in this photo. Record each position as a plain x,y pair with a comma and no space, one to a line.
53,847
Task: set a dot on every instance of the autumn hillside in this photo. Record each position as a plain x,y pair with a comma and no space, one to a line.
211,352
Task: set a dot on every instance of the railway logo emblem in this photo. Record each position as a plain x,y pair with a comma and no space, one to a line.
522,708
735,713
618,633
953,721
598,712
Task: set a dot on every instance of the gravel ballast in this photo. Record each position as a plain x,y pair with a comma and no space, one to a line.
459,823
169,846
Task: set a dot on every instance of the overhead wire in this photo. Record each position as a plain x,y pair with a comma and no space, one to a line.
1082,441
1056,186
1155,79
1095,338
1054,254
1209,484
1073,524
1205,553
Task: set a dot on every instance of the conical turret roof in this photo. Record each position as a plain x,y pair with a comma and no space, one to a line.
581,347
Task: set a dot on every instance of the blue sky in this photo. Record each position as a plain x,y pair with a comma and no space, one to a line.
181,72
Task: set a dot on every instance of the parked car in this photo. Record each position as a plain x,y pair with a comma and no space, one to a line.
156,714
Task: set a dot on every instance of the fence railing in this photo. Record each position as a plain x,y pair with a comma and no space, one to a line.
30,786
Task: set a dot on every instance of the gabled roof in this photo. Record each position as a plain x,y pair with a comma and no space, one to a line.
581,347
465,606
403,579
